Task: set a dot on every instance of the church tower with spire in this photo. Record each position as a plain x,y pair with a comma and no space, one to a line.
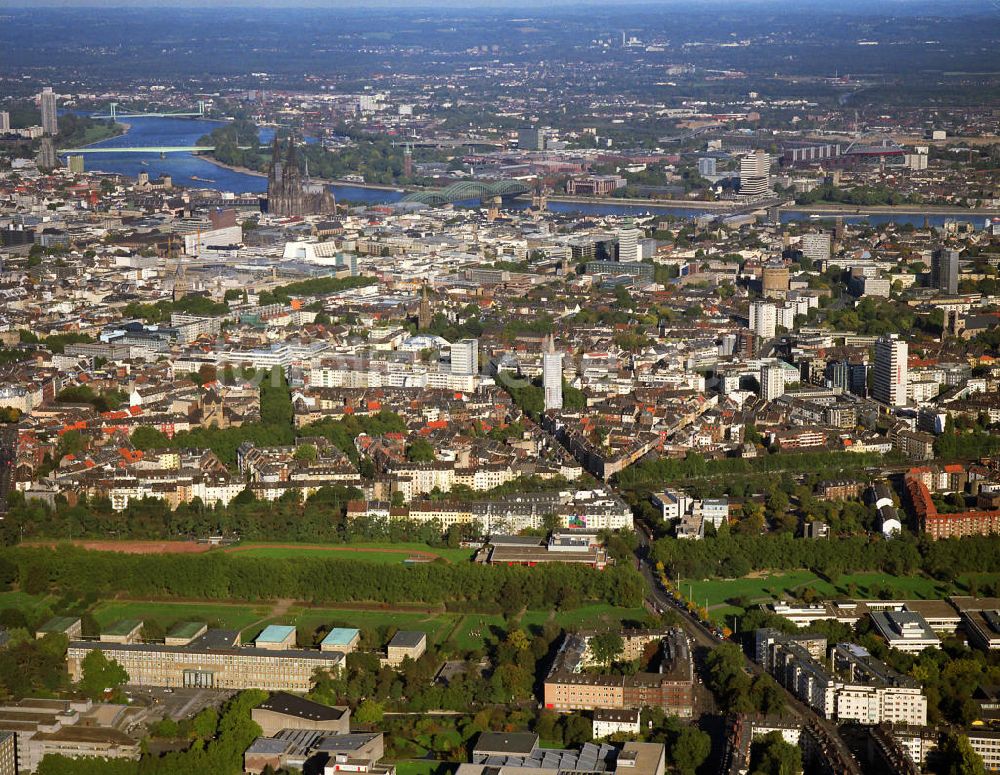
287,194
424,315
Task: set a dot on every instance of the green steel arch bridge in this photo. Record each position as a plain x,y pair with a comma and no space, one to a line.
469,189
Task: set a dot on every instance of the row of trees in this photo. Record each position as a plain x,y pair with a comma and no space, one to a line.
654,472
735,690
320,518
729,555
161,311
220,576
316,286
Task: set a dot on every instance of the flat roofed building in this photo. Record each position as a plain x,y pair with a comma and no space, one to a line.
986,743
983,628
317,752
8,753
182,633
531,551
214,660
125,631
498,753
71,728
905,630
276,637
70,626
342,639
288,711
405,643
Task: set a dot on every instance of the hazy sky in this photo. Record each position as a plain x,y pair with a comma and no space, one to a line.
868,6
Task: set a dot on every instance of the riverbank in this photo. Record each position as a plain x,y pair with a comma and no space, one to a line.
323,181
231,167
121,129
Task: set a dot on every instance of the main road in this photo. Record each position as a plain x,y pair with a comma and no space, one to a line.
8,447
837,753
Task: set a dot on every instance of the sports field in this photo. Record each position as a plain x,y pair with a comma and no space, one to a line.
369,552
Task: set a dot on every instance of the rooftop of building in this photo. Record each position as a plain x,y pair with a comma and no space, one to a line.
275,633
299,707
340,636
407,639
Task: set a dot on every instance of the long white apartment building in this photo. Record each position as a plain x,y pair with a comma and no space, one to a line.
849,685
355,371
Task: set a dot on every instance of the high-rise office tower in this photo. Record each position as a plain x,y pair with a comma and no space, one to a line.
857,375
891,371
530,138
816,246
763,319
706,166
838,375
944,270
628,244
50,119
552,373
772,381
47,159
4,121
755,177
465,357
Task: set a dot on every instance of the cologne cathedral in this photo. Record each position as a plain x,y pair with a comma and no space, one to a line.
287,194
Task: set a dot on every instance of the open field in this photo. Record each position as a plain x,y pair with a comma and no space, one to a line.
470,632
132,547
437,626
424,767
25,602
370,552
232,617
461,631
367,551
777,586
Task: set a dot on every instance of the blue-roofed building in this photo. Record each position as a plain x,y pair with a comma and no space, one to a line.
276,637
343,639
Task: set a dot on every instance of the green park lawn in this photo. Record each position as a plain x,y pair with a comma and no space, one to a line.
424,767
464,632
437,626
776,586
470,633
213,614
25,602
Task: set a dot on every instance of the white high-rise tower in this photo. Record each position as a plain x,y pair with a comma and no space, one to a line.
552,373
755,177
891,371
465,357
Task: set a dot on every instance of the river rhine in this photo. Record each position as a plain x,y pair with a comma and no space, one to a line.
188,169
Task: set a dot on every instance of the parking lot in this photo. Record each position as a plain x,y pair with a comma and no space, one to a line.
158,703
